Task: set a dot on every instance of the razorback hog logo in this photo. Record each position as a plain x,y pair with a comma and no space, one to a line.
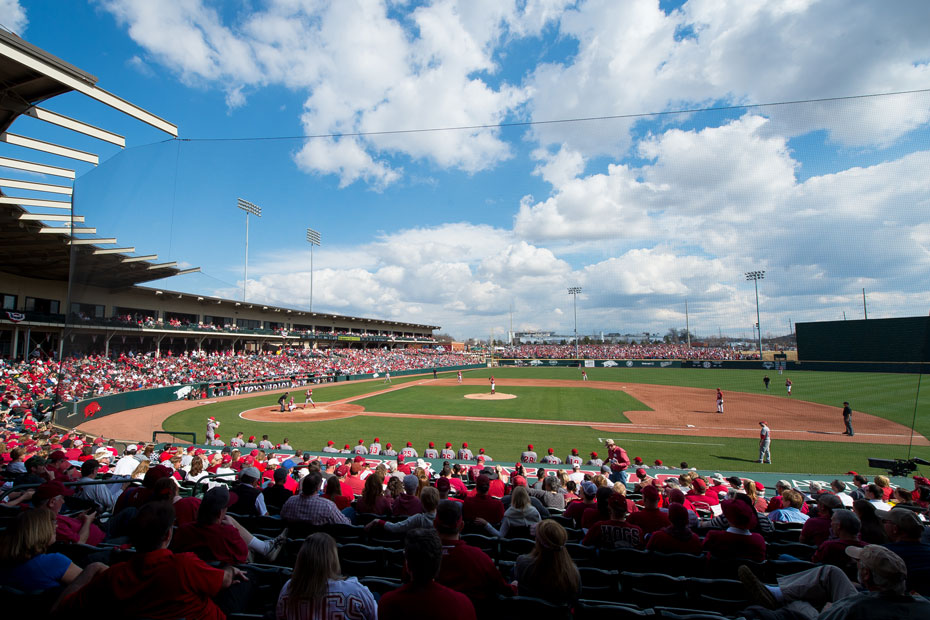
183,392
91,409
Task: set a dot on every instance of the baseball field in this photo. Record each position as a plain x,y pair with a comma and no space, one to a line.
667,414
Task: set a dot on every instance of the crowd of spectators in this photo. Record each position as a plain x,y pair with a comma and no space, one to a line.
191,552
657,350
75,378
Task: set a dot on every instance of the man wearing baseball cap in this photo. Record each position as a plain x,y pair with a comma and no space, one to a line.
464,453
551,458
375,448
431,452
447,453
81,529
573,458
904,529
330,446
249,492
528,455
594,460
881,573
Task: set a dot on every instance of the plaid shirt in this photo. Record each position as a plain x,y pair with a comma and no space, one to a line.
312,509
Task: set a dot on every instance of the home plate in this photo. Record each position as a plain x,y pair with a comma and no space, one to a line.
489,396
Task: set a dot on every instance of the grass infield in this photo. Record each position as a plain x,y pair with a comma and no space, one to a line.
891,396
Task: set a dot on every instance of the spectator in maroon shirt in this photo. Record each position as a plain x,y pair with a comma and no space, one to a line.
817,529
677,537
423,597
615,532
650,518
699,493
408,504
373,500
737,541
467,569
334,494
575,510
482,504
845,527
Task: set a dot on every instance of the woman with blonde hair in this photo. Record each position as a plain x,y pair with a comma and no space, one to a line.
24,563
548,572
518,520
752,491
140,471
317,590
885,485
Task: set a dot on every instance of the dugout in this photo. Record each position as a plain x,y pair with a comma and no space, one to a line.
899,340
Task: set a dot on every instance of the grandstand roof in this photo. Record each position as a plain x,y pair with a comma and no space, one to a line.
31,243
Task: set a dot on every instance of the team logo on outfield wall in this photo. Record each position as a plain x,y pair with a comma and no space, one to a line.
768,365
535,363
610,364
629,363
553,363
664,364
183,392
91,409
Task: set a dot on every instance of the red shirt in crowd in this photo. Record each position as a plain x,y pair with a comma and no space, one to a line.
158,584
415,601
471,571
663,542
649,520
614,534
484,506
722,544
67,529
219,542
815,531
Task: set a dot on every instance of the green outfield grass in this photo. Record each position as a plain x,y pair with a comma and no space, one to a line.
532,403
887,395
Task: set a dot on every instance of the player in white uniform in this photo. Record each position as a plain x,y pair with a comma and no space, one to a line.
431,452
447,453
719,401
765,443
464,453
573,458
308,399
212,425
389,451
375,447
551,458
460,376
360,448
409,452
492,383
528,456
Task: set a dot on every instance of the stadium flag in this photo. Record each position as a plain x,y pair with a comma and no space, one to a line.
16,317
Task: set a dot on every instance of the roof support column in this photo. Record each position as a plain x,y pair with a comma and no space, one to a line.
200,343
106,344
14,349
158,345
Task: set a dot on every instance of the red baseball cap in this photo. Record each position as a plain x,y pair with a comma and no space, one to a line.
529,447
448,444
342,470
360,459
658,461
389,444
409,444
551,450
464,444
57,455
641,472
637,459
377,440
346,447
574,450
594,454
361,441
254,452
51,489
252,438
432,445
699,484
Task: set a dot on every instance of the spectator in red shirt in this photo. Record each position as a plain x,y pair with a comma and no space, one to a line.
155,583
737,541
845,526
575,510
650,518
408,504
51,496
334,494
466,569
817,529
482,504
615,532
699,494
677,537
423,597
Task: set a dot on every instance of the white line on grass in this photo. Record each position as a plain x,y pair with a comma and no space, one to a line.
683,443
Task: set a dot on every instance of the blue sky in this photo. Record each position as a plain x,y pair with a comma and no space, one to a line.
455,228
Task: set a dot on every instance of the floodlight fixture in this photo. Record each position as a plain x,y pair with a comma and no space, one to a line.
250,209
313,238
755,276
573,291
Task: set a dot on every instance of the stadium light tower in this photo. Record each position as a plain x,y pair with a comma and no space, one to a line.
573,291
313,238
250,209
755,276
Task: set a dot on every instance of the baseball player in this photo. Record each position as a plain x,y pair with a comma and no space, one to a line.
409,452
847,419
551,458
237,441
584,375
482,455
431,452
375,447
360,448
528,456
308,399
330,446
346,449
460,376
788,386
766,381
464,453
388,450
719,401
491,379
594,461
765,443
212,425
573,458
387,377
447,453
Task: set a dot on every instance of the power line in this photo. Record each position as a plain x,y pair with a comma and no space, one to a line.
582,119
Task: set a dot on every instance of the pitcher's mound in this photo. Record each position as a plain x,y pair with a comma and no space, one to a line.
489,396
